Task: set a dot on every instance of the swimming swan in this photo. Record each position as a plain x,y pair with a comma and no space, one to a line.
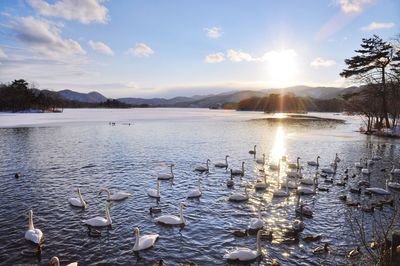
261,161
245,254
314,163
32,234
236,197
202,169
167,176
78,202
54,261
256,223
378,190
154,193
238,171
172,219
195,193
253,151
100,221
223,165
116,196
145,241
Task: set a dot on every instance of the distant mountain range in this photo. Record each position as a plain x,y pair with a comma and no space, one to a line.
216,100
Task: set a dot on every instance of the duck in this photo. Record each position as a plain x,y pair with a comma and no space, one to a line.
262,160
376,157
159,263
55,261
321,249
195,193
78,202
203,169
342,197
298,226
33,253
154,210
93,232
154,193
236,197
261,184
240,233
341,183
100,221
116,196
253,151
365,171
354,252
145,241
355,190
268,236
314,163
310,238
378,190
256,223
245,254
172,219
323,189
238,171
167,176
33,234
223,165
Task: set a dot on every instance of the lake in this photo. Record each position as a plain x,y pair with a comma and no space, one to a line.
57,152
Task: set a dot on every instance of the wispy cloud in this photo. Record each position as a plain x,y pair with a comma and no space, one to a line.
43,37
378,26
141,50
353,6
215,58
84,11
319,62
213,33
2,54
101,47
239,56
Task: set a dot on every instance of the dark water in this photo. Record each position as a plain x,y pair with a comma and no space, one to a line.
80,149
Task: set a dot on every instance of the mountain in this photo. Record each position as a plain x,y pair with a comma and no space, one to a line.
91,97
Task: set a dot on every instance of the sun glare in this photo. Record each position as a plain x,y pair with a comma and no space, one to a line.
278,149
281,67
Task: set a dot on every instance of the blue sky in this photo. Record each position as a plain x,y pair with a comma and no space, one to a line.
185,47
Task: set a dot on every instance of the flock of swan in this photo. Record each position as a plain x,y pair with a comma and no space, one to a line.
295,182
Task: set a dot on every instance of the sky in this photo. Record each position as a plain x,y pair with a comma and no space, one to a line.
167,48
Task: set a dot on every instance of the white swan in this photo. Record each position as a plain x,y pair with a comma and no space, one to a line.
32,234
257,223
100,221
378,190
365,171
202,169
314,163
295,173
303,209
393,185
289,184
308,190
238,171
359,164
262,160
308,181
195,193
245,254
167,176
329,170
281,193
236,197
294,165
116,196
172,219
395,171
254,150
275,166
145,241
154,193
223,165
78,202
54,261
230,182
261,183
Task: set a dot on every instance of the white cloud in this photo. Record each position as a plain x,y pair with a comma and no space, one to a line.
3,54
353,6
43,37
101,47
378,26
141,50
85,11
213,33
238,56
274,55
215,58
319,62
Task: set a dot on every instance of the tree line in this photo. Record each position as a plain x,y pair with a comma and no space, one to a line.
18,96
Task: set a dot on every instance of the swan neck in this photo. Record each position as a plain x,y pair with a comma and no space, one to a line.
81,199
207,165
172,173
108,216
226,160
30,225
181,214
137,235
258,244
318,160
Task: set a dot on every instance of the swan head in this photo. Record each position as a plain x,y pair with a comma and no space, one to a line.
242,163
172,165
182,205
136,230
319,157
54,261
208,160
226,156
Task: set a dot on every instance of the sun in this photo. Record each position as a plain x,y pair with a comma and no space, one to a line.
281,67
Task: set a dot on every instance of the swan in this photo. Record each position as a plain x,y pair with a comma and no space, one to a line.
378,190
253,151
307,190
282,193
144,242
167,176
172,219
78,202
55,261
256,223
275,166
236,197
32,234
294,165
359,164
261,183
116,196
261,161
337,159
290,184
298,226
245,254
329,170
395,171
295,173
238,171
376,157
314,163
393,185
365,171
223,165
202,169
308,181
154,193
303,209
195,193
100,221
